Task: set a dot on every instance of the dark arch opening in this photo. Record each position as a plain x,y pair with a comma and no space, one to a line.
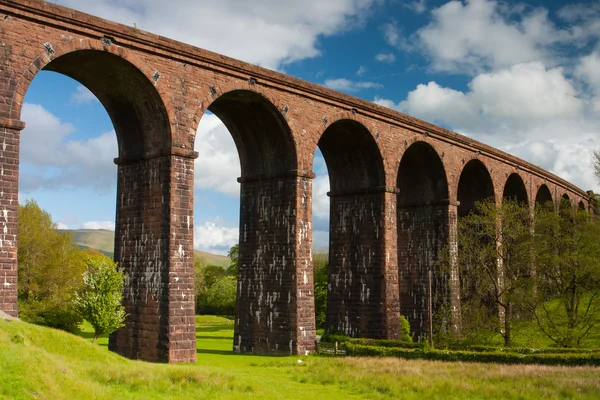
131,100
475,184
581,206
544,197
514,189
260,133
565,207
422,213
356,280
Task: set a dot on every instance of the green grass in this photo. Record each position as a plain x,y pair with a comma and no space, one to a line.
42,363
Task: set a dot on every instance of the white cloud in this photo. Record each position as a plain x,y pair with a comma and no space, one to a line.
215,238
527,110
218,165
61,226
361,71
107,225
588,69
262,31
479,35
347,85
419,6
386,58
52,157
82,95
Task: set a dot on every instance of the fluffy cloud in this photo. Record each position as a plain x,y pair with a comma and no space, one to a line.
482,35
527,110
218,165
52,159
262,31
386,58
82,95
346,85
215,238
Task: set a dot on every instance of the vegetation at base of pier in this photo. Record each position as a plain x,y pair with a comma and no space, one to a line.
38,362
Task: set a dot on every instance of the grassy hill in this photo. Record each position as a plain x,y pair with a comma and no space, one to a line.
43,363
104,241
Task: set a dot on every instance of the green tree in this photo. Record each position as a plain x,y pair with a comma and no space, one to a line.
234,256
99,299
568,269
50,269
495,257
321,278
221,296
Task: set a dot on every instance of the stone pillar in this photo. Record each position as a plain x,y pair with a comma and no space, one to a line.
422,232
9,212
454,284
154,246
275,300
358,291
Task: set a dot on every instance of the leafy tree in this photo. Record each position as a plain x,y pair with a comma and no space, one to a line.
220,297
50,270
495,255
568,269
234,255
99,299
321,276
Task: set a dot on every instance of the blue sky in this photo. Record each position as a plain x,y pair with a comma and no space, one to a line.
520,76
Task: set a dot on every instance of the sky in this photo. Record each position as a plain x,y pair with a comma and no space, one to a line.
520,76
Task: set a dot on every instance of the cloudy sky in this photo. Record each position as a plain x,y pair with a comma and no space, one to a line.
520,76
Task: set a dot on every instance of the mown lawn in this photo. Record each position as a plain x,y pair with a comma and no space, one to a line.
41,363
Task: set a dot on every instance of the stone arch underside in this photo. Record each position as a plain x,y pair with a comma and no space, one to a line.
543,197
355,300
475,184
514,189
275,310
423,227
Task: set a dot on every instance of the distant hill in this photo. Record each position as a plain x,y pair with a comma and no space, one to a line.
104,241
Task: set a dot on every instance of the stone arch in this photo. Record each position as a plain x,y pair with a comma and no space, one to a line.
565,205
514,189
475,184
581,206
261,134
122,82
356,273
543,196
423,226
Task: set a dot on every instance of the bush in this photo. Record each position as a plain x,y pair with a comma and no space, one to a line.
405,330
570,359
51,315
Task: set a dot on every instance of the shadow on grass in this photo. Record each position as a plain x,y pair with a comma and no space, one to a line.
230,338
219,352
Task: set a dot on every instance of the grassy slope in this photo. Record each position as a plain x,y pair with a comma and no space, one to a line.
38,362
104,241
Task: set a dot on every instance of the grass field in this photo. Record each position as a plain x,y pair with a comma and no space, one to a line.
41,363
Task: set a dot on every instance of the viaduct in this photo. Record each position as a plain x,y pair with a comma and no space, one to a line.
398,185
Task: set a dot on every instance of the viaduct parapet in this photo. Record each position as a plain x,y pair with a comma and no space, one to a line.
398,185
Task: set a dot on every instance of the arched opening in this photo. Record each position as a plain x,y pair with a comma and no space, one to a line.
543,197
142,238
355,302
581,206
475,184
514,189
422,214
271,255
565,206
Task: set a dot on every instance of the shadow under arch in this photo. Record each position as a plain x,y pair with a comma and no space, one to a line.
273,307
356,272
144,246
514,189
423,227
475,184
543,198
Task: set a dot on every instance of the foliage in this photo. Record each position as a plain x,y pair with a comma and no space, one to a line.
567,246
215,290
99,299
405,330
332,335
321,277
234,255
570,359
50,270
495,259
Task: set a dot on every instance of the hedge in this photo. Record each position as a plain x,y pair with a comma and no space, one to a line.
571,359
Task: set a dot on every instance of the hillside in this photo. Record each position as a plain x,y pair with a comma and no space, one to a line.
104,240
